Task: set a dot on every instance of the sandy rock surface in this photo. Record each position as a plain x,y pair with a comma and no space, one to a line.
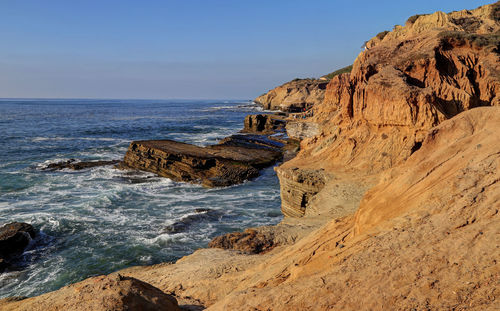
98,293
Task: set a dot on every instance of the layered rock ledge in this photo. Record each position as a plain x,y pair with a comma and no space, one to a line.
231,162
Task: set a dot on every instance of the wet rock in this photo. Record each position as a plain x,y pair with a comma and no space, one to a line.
78,165
252,141
212,166
14,238
186,222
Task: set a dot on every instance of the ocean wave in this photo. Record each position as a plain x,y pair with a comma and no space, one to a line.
60,138
103,219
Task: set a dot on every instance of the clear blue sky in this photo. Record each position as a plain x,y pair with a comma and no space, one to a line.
185,49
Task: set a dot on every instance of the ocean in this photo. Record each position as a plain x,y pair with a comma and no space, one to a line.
102,219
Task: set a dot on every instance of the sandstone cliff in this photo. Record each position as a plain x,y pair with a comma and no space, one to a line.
293,96
416,77
426,237
400,187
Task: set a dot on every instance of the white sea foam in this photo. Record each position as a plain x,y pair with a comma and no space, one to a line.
102,219
59,138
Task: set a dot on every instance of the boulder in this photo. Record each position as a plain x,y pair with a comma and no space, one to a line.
14,238
100,293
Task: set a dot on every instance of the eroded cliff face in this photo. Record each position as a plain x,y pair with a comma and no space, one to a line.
426,237
417,76
293,96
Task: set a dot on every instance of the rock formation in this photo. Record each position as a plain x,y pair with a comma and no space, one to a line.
416,77
248,241
75,165
100,293
14,237
231,162
294,96
302,129
264,123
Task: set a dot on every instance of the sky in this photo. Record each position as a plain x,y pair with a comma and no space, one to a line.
185,49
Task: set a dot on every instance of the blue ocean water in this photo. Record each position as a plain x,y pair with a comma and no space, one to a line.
102,219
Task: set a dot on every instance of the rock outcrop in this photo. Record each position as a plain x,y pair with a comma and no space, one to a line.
264,123
248,241
294,96
302,129
14,237
100,293
462,153
297,187
417,76
231,162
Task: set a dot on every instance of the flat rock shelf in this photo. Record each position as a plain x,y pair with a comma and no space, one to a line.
219,165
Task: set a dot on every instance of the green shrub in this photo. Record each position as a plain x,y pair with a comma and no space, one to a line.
495,13
381,35
413,18
338,72
478,40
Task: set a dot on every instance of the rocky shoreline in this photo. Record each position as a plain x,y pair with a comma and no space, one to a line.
391,202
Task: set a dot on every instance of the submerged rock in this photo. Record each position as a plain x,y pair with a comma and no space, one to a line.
183,225
78,165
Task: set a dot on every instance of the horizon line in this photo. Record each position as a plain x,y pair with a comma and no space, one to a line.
111,98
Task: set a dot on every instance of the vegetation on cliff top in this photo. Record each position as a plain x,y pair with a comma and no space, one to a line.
338,72
491,40
413,18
